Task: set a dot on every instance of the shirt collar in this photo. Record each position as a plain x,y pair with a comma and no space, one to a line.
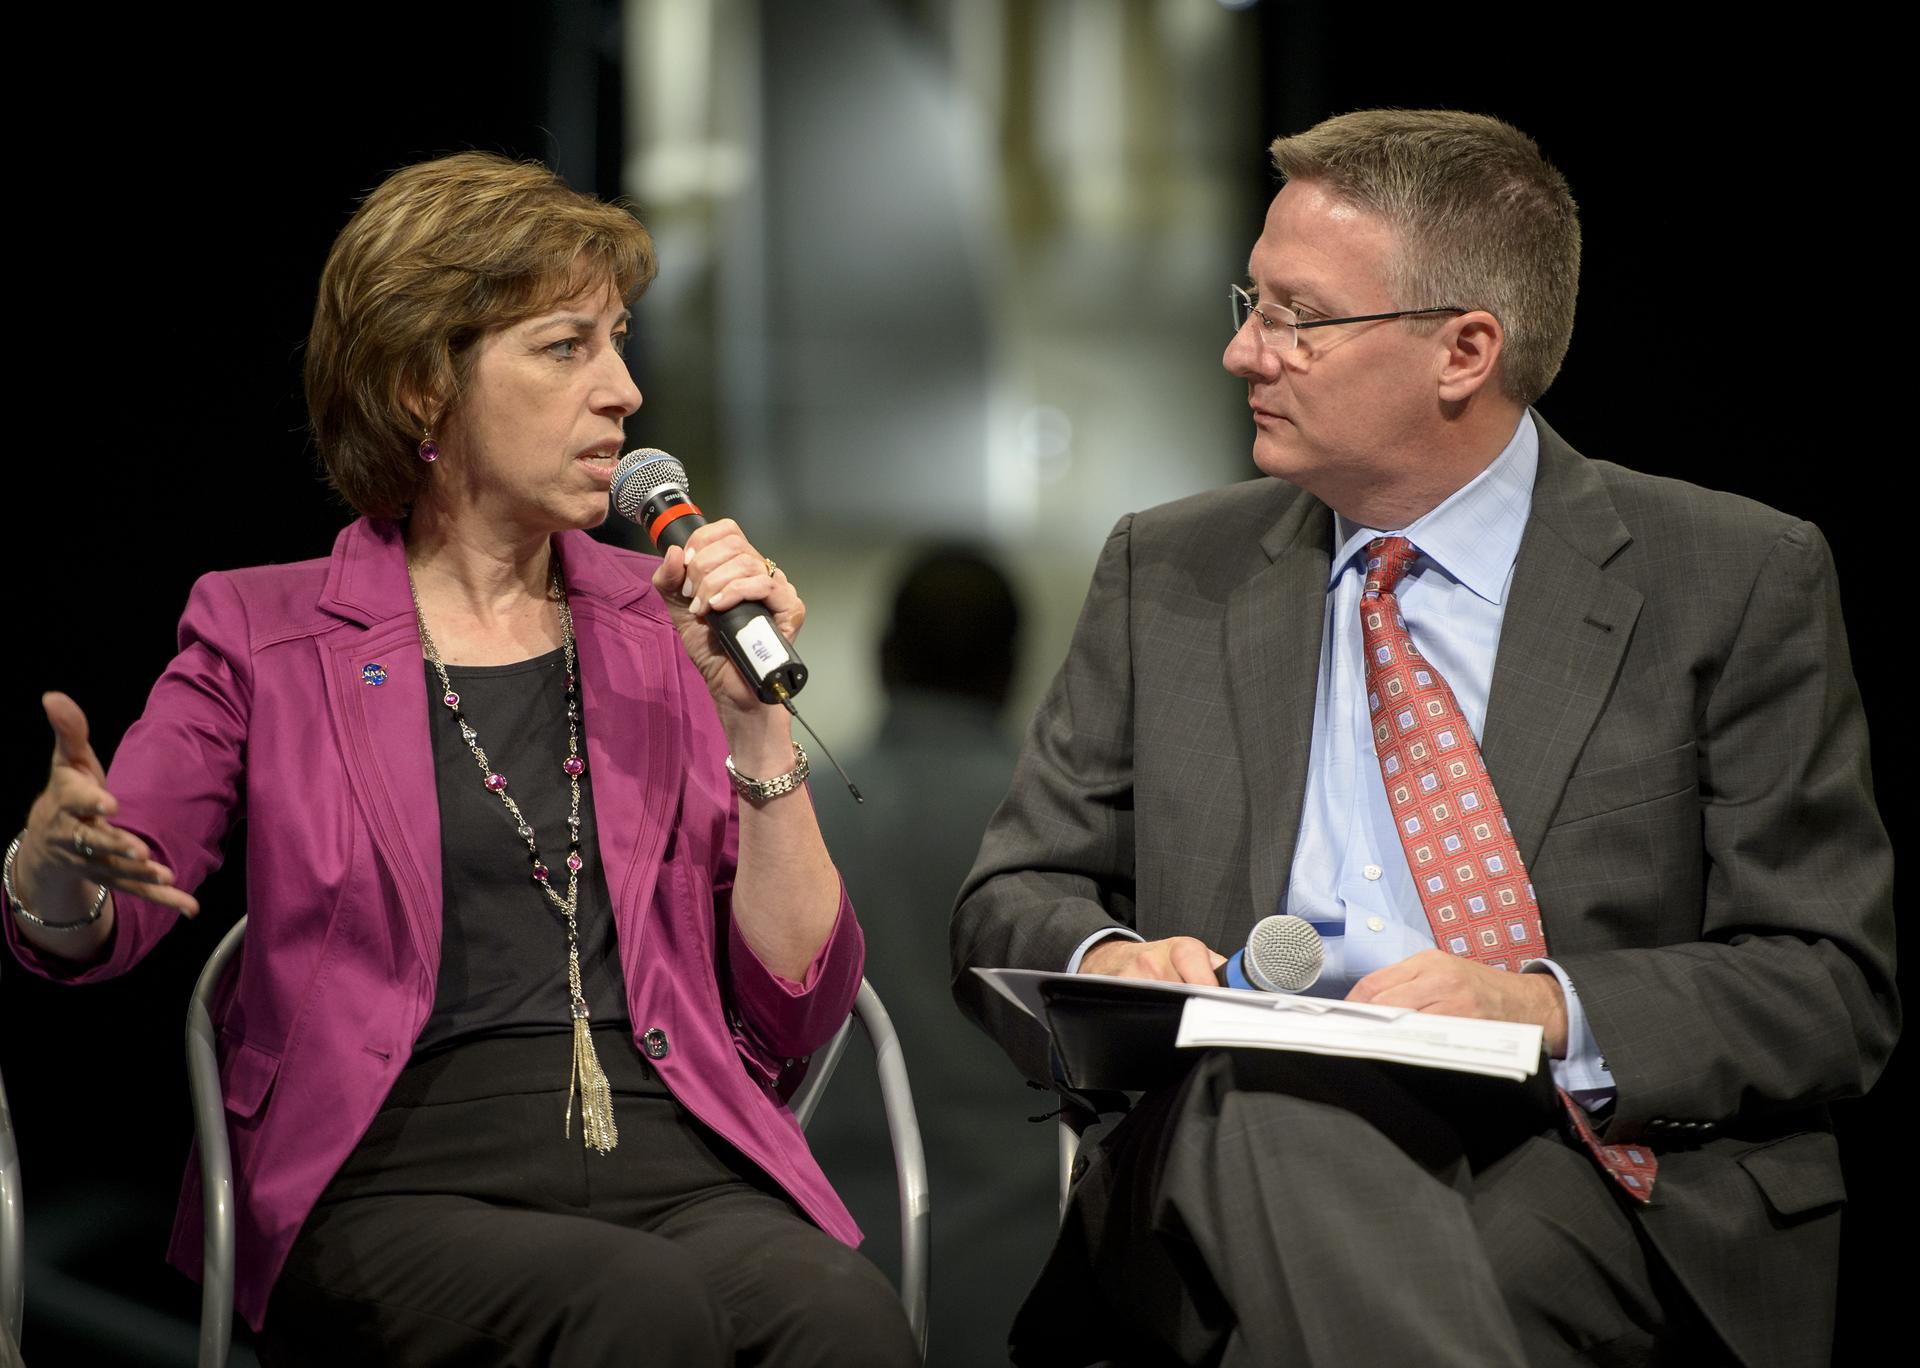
1474,534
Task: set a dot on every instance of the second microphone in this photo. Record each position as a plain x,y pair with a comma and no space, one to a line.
1283,955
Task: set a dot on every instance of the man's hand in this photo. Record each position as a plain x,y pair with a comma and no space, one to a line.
1178,959
1447,985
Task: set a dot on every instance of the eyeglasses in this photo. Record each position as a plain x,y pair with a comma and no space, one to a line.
1281,327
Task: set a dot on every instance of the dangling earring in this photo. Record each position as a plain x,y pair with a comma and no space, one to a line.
429,449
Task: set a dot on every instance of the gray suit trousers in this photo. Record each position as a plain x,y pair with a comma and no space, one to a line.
1274,1208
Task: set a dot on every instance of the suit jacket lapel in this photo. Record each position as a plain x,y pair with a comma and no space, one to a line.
1565,633
1274,625
381,728
633,693
630,690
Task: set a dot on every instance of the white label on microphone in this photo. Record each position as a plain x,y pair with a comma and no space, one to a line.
763,645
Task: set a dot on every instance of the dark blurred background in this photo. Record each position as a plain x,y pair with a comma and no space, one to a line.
930,268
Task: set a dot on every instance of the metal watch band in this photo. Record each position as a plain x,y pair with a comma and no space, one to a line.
760,790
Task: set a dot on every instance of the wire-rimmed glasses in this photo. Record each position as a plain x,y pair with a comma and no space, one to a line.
1280,327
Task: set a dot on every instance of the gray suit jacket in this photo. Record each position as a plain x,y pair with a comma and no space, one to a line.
1676,736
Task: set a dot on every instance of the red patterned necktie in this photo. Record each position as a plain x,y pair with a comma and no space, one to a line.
1466,867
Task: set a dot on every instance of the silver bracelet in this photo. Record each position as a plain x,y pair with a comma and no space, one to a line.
760,790
20,908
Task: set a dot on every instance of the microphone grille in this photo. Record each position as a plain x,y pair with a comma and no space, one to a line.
641,474
1284,952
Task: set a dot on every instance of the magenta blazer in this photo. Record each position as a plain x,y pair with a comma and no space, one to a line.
298,698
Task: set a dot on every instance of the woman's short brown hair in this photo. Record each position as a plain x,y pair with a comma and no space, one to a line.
439,255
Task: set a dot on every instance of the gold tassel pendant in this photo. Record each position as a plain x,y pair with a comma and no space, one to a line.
596,1096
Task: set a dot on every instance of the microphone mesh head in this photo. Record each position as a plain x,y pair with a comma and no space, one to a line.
1283,954
642,473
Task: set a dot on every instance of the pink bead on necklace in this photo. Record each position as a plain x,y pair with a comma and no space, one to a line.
496,782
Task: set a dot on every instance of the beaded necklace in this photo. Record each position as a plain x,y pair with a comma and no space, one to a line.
588,1079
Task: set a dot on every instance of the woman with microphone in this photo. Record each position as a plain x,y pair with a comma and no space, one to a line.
541,927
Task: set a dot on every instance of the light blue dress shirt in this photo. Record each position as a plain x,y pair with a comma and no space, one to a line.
1350,877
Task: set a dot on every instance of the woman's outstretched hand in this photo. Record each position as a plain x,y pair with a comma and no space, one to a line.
70,846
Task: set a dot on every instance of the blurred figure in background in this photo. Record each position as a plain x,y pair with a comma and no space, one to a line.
933,777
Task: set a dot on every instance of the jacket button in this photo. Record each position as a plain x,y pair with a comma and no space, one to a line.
654,1042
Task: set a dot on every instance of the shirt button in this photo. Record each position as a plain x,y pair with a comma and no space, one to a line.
654,1042
1376,924
1372,872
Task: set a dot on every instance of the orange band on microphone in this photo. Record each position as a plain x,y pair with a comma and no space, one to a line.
679,510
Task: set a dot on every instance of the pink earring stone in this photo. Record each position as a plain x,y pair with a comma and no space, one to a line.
429,450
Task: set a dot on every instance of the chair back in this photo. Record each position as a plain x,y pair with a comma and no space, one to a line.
13,1291
216,1162
903,1129
13,1271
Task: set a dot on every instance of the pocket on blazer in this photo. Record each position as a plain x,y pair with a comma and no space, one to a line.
1648,779
246,1077
1797,1174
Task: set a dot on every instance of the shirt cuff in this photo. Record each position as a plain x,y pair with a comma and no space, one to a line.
1583,1073
1104,933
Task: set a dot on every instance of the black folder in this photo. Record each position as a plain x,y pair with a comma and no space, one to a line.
1111,1037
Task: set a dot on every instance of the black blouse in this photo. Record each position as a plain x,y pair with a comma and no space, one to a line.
503,948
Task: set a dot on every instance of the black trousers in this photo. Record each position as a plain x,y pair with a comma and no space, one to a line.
1278,1208
467,1229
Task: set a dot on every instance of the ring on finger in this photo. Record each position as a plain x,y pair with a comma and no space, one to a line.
81,846
773,570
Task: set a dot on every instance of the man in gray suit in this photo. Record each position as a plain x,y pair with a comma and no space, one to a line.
1657,679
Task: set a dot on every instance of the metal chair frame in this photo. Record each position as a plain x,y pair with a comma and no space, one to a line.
13,1291
1067,1143
13,1241
903,1128
216,1159
216,1163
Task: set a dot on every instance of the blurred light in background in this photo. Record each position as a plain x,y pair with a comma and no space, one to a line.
936,268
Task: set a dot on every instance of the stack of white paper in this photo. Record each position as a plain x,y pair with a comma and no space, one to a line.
1235,1018
1499,1049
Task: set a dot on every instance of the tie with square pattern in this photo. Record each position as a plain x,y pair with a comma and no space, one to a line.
1466,867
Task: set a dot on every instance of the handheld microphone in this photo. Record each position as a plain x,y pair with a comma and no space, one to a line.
1283,955
650,488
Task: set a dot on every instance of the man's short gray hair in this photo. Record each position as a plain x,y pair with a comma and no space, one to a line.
1484,221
